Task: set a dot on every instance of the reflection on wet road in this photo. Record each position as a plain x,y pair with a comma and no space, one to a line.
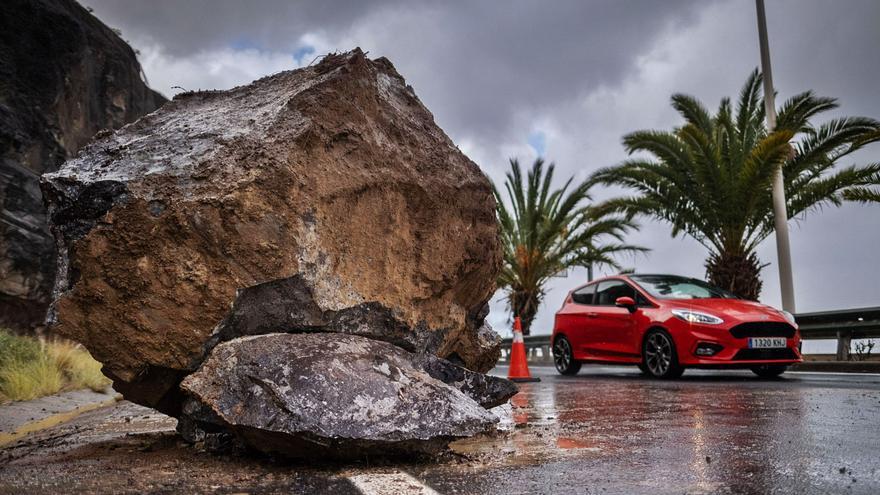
710,432
607,430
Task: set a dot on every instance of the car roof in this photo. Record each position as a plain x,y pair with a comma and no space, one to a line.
627,276
652,275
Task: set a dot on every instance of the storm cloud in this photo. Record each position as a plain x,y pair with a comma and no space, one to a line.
563,79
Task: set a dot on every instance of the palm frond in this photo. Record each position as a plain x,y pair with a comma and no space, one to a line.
862,195
711,178
545,230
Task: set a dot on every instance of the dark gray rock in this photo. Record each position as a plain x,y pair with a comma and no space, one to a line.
288,305
325,394
64,76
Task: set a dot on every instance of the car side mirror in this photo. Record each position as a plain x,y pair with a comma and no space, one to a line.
626,302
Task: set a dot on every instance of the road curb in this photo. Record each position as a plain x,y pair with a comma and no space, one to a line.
839,366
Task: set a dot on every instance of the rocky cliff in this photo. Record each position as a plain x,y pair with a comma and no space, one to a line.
64,76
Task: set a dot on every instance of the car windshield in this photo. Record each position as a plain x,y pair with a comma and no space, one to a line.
672,287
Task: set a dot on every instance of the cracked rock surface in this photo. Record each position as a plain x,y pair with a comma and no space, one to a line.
321,201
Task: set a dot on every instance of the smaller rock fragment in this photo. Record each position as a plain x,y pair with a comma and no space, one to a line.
326,395
488,391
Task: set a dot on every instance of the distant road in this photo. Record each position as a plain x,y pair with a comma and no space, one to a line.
744,377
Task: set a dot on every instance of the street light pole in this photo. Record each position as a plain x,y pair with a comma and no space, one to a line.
783,247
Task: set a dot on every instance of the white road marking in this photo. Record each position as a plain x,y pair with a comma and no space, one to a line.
390,483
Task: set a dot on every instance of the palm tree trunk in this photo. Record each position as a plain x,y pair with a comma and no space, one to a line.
736,272
525,304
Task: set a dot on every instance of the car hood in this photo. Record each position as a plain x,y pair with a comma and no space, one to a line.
739,309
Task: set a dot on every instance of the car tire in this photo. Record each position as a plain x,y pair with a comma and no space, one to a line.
769,370
644,369
563,357
659,356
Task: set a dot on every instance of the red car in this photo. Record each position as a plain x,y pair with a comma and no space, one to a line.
666,323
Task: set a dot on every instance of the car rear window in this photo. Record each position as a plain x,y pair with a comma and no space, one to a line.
584,295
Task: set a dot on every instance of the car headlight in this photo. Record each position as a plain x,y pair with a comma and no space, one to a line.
788,316
697,317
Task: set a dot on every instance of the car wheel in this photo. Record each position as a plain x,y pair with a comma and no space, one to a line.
659,356
644,369
563,357
769,370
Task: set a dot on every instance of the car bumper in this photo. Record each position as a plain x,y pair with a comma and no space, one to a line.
733,352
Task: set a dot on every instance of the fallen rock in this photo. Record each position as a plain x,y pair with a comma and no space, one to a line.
327,395
65,76
321,200
488,391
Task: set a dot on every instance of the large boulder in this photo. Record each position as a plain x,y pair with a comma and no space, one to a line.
63,77
325,395
323,199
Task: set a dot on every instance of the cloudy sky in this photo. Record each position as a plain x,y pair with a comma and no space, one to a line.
564,80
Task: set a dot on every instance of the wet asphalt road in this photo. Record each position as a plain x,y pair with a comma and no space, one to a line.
610,430
607,430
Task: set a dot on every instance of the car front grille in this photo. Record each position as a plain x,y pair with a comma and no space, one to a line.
759,354
763,329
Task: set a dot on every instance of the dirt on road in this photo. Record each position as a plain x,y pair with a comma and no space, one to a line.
127,448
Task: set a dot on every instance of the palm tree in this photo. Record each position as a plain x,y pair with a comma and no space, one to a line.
711,178
548,231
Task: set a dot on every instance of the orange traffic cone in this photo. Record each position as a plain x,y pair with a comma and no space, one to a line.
519,368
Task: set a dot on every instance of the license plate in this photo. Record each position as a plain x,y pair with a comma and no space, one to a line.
767,342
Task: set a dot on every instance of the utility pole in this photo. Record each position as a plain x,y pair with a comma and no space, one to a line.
783,247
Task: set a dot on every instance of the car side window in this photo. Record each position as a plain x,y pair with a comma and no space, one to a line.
584,295
608,291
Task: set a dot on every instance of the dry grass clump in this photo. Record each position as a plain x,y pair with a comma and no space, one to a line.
80,369
25,380
31,368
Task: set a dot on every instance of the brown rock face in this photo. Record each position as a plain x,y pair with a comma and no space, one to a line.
323,199
63,77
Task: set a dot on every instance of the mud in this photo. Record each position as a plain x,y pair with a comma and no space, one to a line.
132,449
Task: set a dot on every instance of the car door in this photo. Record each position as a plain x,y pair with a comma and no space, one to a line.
579,319
615,327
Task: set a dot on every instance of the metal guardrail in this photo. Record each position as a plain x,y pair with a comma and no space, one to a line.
537,349
841,325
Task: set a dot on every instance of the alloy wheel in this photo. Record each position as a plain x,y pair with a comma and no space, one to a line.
562,355
658,354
